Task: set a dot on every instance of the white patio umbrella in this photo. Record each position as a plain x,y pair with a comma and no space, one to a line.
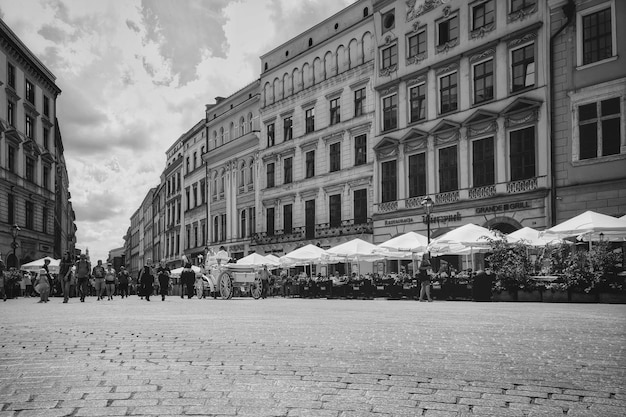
407,242
590,226
305,255
256,260
353,250
273,258
533,237
34,266
175,273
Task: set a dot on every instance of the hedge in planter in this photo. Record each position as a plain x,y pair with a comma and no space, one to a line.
511,265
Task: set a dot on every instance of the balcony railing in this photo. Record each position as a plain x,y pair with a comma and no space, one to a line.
322,230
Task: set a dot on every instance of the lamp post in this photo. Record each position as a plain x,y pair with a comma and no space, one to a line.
428,204
15,231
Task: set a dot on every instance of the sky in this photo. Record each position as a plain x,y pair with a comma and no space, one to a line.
135,75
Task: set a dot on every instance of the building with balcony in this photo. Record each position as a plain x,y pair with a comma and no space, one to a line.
146,222
133,262
588,72
195,192
232,170
32,169
462,115
158,222
171,178
317,120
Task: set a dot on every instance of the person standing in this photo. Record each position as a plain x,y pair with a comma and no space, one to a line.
98,274
146,282
188,279
83,267
43,285
122,281
265,281
109,280
163,274
423,276
65,275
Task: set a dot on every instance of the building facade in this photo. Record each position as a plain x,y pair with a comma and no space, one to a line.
462,115
172,178
589,112
195,192
317,119
232,126
30,151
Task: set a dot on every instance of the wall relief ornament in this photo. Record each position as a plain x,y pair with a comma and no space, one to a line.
447,46
416,59
482,55
416,80
416,8
482,128
522,13
479,33
385,72
526,38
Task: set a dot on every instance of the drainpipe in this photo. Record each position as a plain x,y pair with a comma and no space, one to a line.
569,10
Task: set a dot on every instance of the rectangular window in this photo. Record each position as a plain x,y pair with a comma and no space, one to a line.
46,177
418,102
599,128
448,30
46,138
417,44
269,213
483,162
359,102
448,172
417,175
30,215
270,175
360,150
522,154
203,191
288,170
44,219
483,14
223,227
11,75
448,93
30,127
517,5
11,161
46,106
287,128
483,81
390,56
30,91
30,169
360,206
270,135
11,113
188,198
11,209
597,36
309,118
390,112
310,164
288,219
196,203
523,67
389,181
252,216
334,210
309,219
335,111
335,157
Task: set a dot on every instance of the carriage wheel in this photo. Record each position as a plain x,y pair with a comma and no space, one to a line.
256,288
226,285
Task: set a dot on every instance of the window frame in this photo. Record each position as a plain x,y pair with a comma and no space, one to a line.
474,80
29,214
524,5
424,102
416,35
30,170
483,162
512,65
389,183
287,219
11,78
287,128
271,134
359,201
485,24
270,175
29,92
440,91
334,157
389,56
360,159
388,111
309,164
443,167
517,155
417,179
449,40
309,120
359,102
288,170
580,15
335,110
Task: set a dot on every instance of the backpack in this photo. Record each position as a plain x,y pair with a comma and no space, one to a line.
82,270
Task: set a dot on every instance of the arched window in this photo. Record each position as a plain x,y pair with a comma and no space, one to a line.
249,122
242,175
242,226
215,188
215,138
222,182
242,126
231,131
251,173
216,225
366,12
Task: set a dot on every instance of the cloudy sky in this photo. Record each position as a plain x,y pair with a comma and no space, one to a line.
135,76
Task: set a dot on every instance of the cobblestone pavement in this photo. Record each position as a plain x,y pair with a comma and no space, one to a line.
328,358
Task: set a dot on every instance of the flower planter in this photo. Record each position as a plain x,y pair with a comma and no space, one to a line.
612,297
529,296
581,297
550,296
504,296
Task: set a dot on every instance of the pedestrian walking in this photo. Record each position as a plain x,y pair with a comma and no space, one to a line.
163,274
188,279
146,282
65,275
423,276
98,275
122,281
83,267
109,280
42,285
28,277
265,281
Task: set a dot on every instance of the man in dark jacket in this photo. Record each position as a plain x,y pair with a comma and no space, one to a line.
188,279
122,281
83,267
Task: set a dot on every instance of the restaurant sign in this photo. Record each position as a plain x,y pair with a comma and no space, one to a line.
503,207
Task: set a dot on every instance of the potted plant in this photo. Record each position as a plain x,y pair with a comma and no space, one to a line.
512,268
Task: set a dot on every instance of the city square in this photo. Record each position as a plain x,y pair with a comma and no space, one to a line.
300,357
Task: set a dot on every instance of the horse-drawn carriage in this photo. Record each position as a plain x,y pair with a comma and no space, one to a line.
228,279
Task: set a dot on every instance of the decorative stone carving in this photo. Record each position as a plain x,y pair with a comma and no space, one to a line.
480,32
447,46
389,90
482,128
526,38
482,55
522,13
385,72
447,68
522,118
416,80
416,8
416,59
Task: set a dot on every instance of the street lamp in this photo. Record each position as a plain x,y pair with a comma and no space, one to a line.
15,231
428,204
